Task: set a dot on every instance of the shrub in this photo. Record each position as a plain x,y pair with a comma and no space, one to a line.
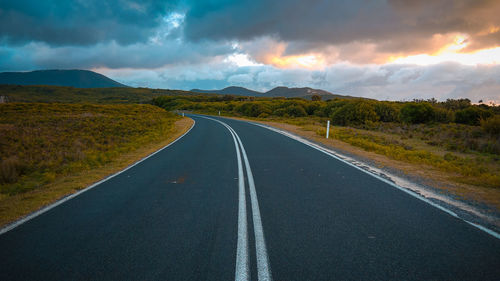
471,115
312,107
280,112
252,109
491,125
355,112
442,115
10,169
315,97
456,104
415,113
296,111
387,112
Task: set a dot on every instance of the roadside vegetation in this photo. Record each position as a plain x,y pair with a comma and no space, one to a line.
456,137
48,150
40,142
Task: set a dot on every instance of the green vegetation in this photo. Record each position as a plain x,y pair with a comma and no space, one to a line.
491,125
42,142
482,170
77,95
454,136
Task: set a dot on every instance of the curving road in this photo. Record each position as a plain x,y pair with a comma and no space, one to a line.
234,201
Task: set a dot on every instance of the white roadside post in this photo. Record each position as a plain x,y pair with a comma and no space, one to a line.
327,128
219,112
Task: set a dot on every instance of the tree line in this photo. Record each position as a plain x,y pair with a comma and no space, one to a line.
345,112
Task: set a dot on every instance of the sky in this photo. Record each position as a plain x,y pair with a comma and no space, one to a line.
382,49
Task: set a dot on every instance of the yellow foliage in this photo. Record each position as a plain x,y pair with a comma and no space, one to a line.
39,141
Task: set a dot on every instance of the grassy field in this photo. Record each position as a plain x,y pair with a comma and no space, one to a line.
50,150
59,94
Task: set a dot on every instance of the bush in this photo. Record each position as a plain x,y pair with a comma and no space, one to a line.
280,112
442,115
252,109
471,115
296,111
355,112
315,97
456,104
10,169
312,107
416,113
491,125
387,112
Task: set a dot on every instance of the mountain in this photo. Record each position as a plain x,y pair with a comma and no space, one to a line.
71,78
286,92
233,90
297,92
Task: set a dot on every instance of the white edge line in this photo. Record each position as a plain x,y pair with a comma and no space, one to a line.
318,147
71,196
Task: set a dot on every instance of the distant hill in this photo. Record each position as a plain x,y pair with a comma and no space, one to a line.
297,92
233,90
17,93
71,78
305,92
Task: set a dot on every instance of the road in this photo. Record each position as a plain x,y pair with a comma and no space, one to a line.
208,208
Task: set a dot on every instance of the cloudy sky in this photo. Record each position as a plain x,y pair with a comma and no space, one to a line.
383,49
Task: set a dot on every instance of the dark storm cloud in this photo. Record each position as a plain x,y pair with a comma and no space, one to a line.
110,55
83,22
394,25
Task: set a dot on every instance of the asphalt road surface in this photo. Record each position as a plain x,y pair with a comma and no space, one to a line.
269,208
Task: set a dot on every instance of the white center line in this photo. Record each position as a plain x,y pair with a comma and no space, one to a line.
242,268
263,270
242,260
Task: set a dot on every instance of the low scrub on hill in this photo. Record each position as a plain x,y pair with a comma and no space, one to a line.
41,142
14,93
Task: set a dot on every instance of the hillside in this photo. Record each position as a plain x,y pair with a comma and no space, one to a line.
71,78
282,91
15,93
295,92
233,90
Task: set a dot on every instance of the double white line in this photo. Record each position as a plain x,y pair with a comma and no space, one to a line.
242,257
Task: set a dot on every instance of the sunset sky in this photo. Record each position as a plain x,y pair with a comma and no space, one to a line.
393,49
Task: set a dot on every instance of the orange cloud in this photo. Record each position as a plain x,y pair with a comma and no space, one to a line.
450,47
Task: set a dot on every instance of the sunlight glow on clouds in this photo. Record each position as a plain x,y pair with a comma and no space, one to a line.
488,56
241,60
303,61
